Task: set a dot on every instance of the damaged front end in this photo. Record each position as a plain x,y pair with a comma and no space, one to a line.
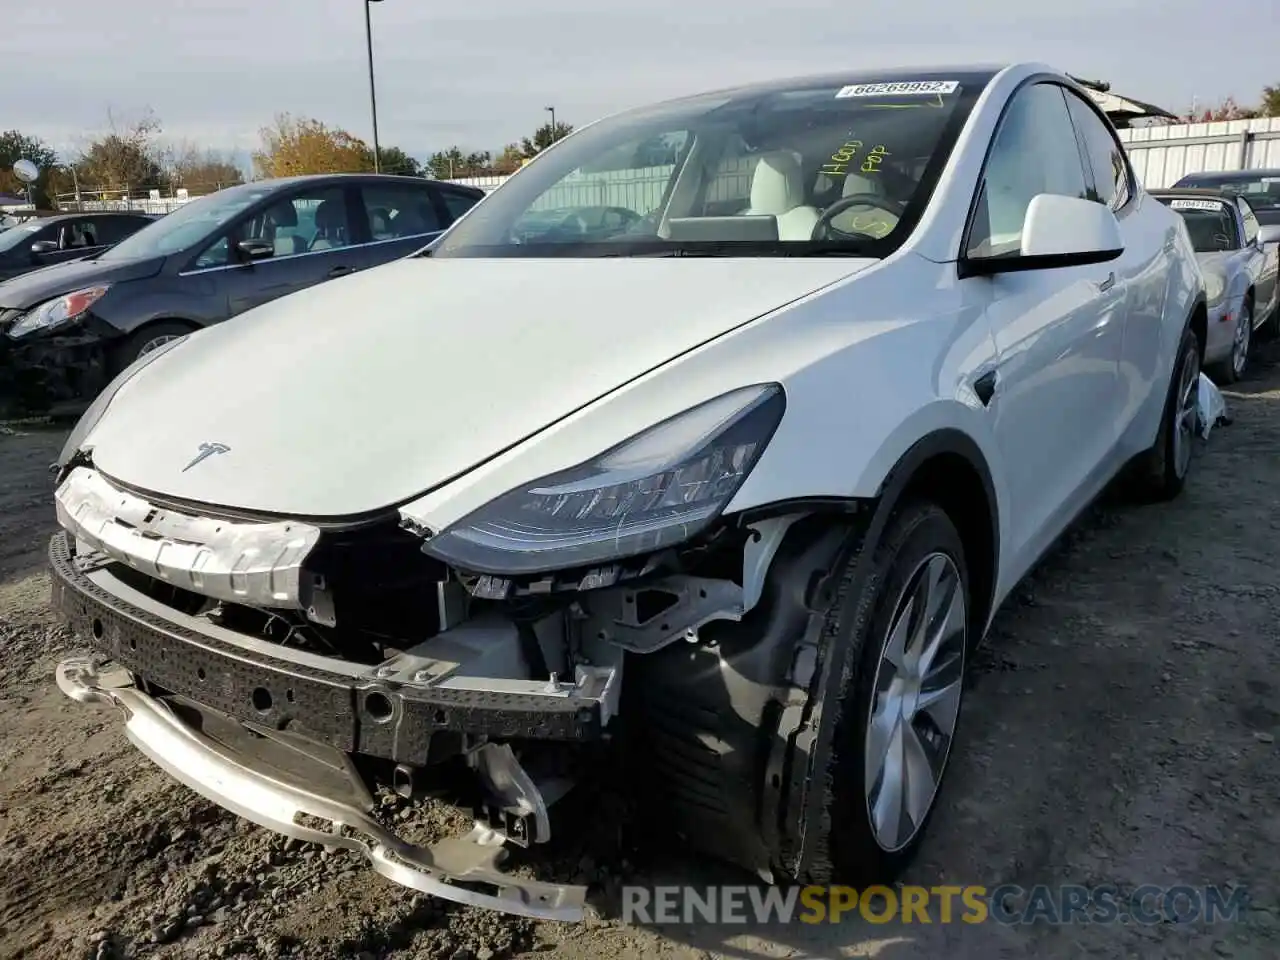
286,669
51,374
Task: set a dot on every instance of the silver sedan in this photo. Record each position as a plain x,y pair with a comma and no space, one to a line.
1241,289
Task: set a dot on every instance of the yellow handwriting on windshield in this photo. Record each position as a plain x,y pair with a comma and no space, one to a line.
872,163
841,157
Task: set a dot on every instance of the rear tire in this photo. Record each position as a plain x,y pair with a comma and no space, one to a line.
898,710
1161,472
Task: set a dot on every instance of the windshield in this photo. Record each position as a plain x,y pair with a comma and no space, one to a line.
16,234
188,224
1262,191
824,168
1209,222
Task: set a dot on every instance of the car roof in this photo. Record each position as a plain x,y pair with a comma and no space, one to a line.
1234,174
320,179
1196,193
87,215
969,75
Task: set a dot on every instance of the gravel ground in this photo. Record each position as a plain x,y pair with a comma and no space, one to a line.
1120,729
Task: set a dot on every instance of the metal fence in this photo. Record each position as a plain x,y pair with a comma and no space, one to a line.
637,189
145,199
1161,155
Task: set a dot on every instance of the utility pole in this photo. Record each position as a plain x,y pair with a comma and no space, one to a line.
373,95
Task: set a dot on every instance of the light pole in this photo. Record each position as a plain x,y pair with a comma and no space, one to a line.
552,111
373,95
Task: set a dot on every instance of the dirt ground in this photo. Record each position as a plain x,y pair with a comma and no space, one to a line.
1121,728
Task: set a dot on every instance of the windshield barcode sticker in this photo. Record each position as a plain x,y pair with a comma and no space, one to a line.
913,88
1214,206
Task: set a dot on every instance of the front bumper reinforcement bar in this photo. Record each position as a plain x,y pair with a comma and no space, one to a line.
463,869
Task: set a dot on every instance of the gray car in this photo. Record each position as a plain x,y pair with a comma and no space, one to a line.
31,243
1240,275
67,330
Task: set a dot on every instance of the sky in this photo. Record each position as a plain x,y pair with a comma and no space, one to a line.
480,74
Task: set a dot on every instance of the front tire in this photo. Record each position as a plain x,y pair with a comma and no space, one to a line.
143,341
1161,472
900,704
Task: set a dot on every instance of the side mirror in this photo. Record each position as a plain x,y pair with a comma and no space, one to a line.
41,247
256,249
1269,233
1057,232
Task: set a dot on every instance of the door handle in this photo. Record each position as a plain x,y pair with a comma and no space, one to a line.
341,271
1108,283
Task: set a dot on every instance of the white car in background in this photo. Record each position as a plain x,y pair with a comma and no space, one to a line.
740,484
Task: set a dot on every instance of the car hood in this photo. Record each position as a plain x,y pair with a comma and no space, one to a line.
368,391
52,281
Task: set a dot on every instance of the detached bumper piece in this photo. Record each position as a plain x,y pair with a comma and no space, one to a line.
463,870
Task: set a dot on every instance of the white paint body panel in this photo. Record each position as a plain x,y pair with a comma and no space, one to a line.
467,378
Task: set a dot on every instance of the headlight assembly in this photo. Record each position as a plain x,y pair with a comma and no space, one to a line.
59,311
655,490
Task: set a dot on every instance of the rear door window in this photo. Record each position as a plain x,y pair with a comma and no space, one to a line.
456,202
115,229
396,211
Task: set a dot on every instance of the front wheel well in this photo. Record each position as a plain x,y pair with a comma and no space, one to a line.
950,480
1200,324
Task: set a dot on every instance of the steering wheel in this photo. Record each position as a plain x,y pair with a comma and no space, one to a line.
823,230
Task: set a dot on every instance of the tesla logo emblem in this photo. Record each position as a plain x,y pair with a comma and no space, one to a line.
207,450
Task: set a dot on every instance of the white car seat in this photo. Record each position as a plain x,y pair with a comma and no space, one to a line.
777,189
857,183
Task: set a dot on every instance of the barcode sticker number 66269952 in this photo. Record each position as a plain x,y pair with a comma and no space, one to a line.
907,88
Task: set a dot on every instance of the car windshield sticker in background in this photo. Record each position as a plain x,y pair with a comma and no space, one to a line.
1214,206
913,88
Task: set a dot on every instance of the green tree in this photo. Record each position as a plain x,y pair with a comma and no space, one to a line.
1270,106
544,137
125,157
292,146
452,164
509,159
395,160
15,146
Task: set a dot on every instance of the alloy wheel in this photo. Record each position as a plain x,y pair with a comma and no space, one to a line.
1240,344
1184,430
155,342
915,703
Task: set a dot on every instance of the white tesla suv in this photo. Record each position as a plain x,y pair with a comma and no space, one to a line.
716,435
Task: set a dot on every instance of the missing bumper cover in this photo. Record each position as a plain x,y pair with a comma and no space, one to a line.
463,869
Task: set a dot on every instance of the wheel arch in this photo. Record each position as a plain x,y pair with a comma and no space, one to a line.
949,468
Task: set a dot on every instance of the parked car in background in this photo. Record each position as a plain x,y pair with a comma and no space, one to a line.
67,330
736,493
1261,188
43,241
1240,276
